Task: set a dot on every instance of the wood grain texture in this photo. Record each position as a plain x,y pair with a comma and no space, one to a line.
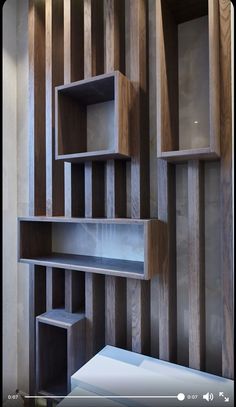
115,189
95,313
71,116
139,323
114,17
37,304
37,161
167,273
93,38
115,316
167,79
55,288
169,15
74,291
60,350
196,259
226,188
138,305
94,181
54,77
214,76
73,40
115,288
73,70
94,189
36,107
136,71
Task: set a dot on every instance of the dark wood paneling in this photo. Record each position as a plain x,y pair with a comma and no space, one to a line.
137,72
167,275
73,70
138,305
37,94
196,264
139,323
54,77
37,162
74,291
226,188
95,313
115,316
115,288
55,292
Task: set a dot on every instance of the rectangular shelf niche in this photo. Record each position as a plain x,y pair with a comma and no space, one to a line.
120,247
92,118
188,80
60,350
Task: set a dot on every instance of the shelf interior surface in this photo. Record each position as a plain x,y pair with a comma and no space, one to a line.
193,71
52,359
186,60
110,247
86,263
86,118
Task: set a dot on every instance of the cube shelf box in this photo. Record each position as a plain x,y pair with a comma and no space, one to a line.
60,350
121,247
92,118
188,81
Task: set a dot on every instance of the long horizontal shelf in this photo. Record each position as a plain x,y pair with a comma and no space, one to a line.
64,219
120,247
92,264
184,155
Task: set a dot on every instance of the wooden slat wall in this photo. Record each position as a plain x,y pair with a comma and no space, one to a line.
115,288
226,188
74,39
196,264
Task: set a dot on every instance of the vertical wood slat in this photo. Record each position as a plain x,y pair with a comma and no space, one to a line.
73,70
115,288
54,77
196,264
94,181
37,305
138,307
226,188
167,273
55,288
37,175
74,291
37,164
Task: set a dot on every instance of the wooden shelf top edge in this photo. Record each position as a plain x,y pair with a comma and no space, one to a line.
91,264
95,78
177,155
60,318
96,155
64,219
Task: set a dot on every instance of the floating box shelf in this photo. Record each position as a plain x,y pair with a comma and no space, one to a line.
188,82
92,118
60,350
120,247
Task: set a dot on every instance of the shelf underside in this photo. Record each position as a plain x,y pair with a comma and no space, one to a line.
117,267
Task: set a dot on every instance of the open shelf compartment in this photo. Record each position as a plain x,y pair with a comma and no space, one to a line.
120,247
60,350
92,118
188,120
